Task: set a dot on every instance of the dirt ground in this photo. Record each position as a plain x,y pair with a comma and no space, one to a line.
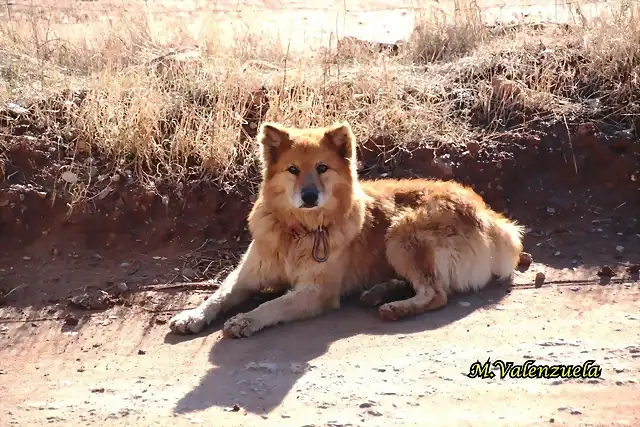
345,368
85,297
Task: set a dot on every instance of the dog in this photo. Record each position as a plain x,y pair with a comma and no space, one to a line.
319,234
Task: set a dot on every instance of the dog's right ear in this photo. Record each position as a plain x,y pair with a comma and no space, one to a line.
274,139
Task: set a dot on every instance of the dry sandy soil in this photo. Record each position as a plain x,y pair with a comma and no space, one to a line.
345,368
85,297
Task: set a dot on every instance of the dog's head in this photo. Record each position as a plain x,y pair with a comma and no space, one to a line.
307,171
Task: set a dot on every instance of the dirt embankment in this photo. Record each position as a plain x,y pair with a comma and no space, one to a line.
572,175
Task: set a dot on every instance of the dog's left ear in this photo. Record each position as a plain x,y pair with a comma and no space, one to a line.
340,137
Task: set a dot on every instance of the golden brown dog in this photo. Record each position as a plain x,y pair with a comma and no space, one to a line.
323,234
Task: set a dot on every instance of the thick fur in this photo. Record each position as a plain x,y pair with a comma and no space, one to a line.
437,235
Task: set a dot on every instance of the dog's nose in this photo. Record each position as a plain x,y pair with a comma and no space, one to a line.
309,196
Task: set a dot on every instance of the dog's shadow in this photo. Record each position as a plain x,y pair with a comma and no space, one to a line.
258,372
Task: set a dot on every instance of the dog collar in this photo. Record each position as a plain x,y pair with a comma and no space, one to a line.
320,250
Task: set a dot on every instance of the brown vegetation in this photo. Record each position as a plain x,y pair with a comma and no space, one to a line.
120,100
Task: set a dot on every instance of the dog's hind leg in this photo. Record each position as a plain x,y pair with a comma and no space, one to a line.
385,292
413,259
248,278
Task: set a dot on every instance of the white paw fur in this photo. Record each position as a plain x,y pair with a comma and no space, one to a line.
188,321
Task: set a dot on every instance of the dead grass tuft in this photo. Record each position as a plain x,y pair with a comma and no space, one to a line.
171,117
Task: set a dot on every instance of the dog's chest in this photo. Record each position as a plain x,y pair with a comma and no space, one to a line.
307,256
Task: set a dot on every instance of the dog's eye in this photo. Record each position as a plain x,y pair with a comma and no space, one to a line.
322,168
293,170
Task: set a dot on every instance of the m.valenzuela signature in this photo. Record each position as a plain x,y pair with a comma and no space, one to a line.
528,369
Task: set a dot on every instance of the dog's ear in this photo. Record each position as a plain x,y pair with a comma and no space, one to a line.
274,140
340,137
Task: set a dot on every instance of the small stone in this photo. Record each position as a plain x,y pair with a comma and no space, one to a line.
160,321
296,368
473,147
525,259
606,271
234,408
620,248
550,210
123,287
71,320
572,411
633,269
499,307
141,352
271,367
539,280
104,193
97,390
365,405
189,273
374,413
464,304
16,108
69,177
585,129
557,253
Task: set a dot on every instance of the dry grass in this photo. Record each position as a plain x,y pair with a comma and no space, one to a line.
182,119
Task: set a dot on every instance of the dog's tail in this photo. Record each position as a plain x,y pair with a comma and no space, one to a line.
508,245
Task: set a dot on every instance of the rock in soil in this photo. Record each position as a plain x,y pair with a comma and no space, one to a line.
540,277
525,259
71,320
96,300
606,271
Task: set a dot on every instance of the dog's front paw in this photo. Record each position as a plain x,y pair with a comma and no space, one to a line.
188,321
239,326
